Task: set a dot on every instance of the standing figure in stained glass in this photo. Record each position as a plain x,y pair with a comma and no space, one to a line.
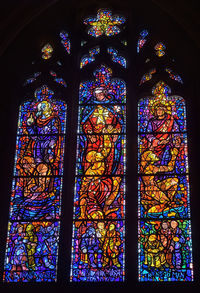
102,129
177,241
90,246
111,247
43,248
18,257
166,240
31,244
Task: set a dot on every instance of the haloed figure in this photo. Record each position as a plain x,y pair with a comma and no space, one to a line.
159,129
44,127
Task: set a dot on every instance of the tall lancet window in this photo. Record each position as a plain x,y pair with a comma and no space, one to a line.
164,226
99,195
98,240
35,206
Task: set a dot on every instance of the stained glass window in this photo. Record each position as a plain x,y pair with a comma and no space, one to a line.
160,49
164,224
104,23
147,76
65,41
47,51
173,75
98,248
116,57
32,78
86,59
142,40
57,79
34,219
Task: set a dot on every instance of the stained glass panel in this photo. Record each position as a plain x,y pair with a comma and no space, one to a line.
47,51
99,196
65,41
33,230
142,40
32,78
147,76
32,250
104,23
160,49
57,79
164,227
116,57
88,58
173,75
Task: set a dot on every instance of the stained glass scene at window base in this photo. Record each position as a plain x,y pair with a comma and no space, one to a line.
98,240
35,207
164,225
